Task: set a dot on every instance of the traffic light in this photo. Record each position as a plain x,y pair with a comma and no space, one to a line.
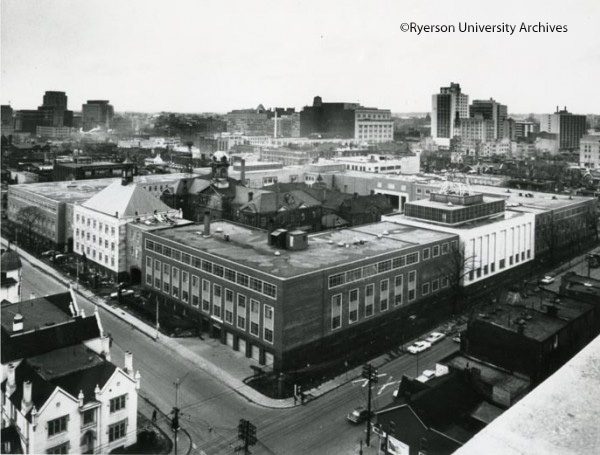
175,420
242,429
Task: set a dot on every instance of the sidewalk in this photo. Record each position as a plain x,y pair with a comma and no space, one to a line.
163,424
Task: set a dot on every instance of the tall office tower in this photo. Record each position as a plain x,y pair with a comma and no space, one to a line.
54,110
447,108
569,127
97,113
495,112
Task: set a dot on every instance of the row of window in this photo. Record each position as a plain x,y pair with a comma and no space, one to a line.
254,284
92,223
91,253
479,271
350,276
220,303
385,299
91,237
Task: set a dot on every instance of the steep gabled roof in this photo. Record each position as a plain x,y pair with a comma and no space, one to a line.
125,200
273,202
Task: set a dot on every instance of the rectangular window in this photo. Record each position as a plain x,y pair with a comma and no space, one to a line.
217,270
256,285
426,252
369,299
254,316
117,430
336,311
185,286
412,285
206,295
186,258
229,306
62,448
241,311
445,248
217,296
502,263
353,306
399,262
270,290
268,322
384,293
242,279
412,258
435,285
175,281
425,289
445,282
398,289
118,403
336,280
207,266
435,251
88,417
195,291
230,275
58,425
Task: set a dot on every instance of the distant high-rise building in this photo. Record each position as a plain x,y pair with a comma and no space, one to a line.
55,99
97,113
589,152
27,120
8,120
54,110
569,127
525,128
447,108
346,120
493,111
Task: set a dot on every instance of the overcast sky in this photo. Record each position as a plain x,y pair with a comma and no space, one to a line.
197,56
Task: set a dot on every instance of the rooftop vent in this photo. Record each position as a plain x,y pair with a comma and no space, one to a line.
277,253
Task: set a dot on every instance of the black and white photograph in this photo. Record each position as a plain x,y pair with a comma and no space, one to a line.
300,227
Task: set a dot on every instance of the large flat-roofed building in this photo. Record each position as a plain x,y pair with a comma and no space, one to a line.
410,163
82,171
569,127
97,114
372,125
492,239
289,299
589,151
447,108
45,210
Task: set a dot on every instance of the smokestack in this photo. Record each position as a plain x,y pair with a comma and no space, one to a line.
243,171
18,323
207,223
250,196
26,401
128,362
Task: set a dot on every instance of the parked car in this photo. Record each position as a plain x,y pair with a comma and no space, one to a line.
434,337
418,346
124,292
60,257
547,280
48,253
456,338
426,375
358,415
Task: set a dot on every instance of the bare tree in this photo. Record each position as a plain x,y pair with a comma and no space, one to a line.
27,218
455,268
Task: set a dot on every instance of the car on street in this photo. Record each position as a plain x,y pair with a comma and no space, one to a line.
434,337
456,338
426,375
358,415
124,292
48,253
547,280
418,346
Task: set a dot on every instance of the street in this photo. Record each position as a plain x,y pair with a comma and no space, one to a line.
210,411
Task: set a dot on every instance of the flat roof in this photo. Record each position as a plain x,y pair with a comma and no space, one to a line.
36,313
538,324
93,164
82,190
494,218
560,416
452,207
249,246
64,361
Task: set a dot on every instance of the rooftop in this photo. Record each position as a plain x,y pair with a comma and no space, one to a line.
537,323
560,416
94,164
249,247
82,190
63,361
449,206
124,201
36,313
402,219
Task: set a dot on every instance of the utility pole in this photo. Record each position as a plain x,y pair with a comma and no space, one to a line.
370,374
247,433
175,412
157,323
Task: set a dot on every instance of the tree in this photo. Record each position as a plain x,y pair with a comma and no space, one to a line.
456,267
29,217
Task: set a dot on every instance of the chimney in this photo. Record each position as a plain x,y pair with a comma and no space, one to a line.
32,296
10,379
250,196
97,392
18,323
106,347
206,223
128,362
80,398
137,378
355,195
243,171
26,401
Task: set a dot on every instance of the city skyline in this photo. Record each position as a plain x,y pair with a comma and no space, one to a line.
286,55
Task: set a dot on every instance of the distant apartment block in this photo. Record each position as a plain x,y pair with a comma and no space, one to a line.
589,152
570,128
447,108
97,114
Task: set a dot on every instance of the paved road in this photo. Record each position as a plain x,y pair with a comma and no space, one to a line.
211,410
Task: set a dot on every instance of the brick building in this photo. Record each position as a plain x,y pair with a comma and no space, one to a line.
302,299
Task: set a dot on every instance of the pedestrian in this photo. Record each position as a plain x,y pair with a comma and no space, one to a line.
154,414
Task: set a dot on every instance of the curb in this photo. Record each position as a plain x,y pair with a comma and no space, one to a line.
182,430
